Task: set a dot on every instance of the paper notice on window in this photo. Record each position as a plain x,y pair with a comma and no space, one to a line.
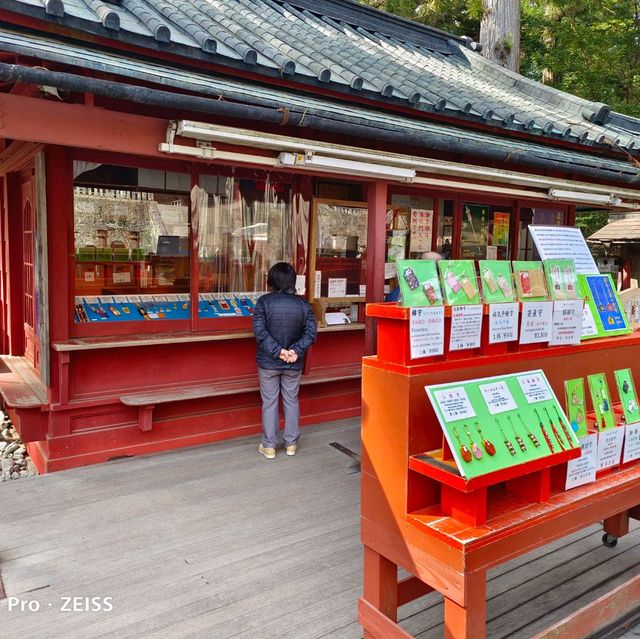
631,443
454,404
426,331
535,326
503,322
122,277
564,242
498,397
363,290
492,252
566,326
466,327
535,388
337,287
609,448
421,230
317,283
582,470
390,270
89,276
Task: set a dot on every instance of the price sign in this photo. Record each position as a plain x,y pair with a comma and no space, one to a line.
582,470
503,322
454,404
567,322
631,443
535,388
609,448
426,331
498,397
535,326
466,327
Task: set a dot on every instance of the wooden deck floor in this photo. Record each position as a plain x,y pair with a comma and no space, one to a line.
216,542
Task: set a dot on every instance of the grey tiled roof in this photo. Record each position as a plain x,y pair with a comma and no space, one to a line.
346,47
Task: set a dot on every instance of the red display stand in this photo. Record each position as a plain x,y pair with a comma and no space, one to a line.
418,513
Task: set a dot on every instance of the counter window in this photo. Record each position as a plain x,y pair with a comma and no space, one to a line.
485,232
131,230
242,227
338,260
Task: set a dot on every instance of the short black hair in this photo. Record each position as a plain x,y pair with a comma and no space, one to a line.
282,278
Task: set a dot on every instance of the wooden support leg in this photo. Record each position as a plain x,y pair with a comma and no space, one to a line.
618,525
145,417
380,586
468,621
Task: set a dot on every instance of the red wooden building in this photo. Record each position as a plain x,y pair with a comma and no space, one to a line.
158,155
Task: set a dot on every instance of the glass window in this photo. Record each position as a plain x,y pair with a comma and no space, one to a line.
131,230
409,226
485,232
337,260
242,227
546,217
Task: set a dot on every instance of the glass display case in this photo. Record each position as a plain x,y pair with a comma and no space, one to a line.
131,244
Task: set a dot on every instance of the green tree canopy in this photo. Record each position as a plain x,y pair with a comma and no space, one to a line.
587,47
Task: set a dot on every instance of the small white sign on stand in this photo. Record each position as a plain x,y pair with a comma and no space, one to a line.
566,328
609,448
466,327
582,470
426,331
631,442
503,322
535,326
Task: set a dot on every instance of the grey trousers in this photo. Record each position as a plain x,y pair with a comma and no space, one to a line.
272,384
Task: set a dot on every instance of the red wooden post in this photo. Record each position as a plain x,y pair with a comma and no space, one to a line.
376,246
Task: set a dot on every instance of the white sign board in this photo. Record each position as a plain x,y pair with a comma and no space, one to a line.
426,331
562,243
421,230
466,327
582,470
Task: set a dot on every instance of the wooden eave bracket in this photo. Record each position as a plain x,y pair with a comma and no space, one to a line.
145,417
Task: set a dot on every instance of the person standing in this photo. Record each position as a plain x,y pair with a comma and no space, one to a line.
285,327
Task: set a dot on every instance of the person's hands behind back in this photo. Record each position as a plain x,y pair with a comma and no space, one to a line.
288,356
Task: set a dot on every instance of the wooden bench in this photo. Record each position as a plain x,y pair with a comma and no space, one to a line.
146,401
20,386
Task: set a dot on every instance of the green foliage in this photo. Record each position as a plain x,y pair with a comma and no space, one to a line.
587,47
591,221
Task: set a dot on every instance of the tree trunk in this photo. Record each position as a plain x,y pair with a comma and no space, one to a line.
500,32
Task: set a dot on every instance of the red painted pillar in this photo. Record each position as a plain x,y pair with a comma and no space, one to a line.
376,246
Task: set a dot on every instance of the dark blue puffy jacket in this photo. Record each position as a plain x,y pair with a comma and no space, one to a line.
283,320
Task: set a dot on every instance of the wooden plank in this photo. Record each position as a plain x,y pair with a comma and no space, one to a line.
597,615
19,385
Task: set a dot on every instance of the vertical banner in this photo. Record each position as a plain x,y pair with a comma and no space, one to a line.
501,229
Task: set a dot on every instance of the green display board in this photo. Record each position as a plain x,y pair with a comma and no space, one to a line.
419,284
601,400
530,281
562,279
628,396
496,280
576,405
459,283
498,422
604,312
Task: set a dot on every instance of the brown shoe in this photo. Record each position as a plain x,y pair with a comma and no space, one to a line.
269,453
291,450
